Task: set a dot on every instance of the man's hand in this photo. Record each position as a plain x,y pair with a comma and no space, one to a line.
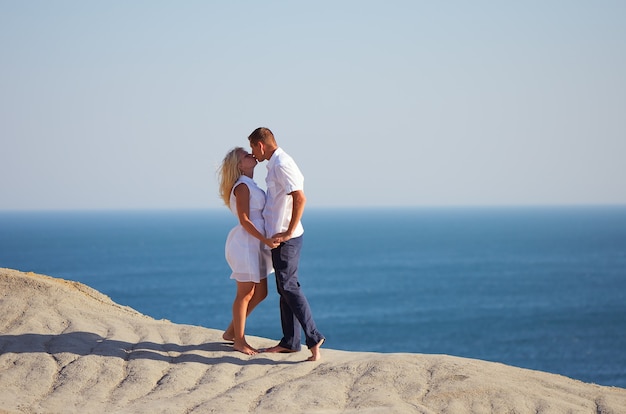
281,237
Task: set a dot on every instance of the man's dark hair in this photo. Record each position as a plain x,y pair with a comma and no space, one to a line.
263,135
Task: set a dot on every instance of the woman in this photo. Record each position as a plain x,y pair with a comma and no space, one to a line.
246,253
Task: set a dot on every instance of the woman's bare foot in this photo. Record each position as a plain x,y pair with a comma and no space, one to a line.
229,333
243,347
315,351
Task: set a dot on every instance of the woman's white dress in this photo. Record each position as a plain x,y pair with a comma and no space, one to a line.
249,259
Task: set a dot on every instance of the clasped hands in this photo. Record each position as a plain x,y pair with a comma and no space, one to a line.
274,241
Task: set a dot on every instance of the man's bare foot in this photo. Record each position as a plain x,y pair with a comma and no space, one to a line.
244,348
278,350
315,351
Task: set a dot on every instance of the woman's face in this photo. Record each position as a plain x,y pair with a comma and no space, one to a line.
246,160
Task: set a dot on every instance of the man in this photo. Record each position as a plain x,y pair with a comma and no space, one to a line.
282,213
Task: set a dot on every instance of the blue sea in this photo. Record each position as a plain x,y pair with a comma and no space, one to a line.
539,288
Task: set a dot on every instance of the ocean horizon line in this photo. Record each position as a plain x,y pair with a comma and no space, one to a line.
314,208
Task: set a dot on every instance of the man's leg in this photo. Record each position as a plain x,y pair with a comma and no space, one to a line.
284,257
292,296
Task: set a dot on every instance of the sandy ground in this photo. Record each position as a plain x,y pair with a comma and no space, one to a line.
66,348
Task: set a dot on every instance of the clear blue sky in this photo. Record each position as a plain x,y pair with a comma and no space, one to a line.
132,104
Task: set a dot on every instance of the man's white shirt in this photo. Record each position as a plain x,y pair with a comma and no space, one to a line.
283,177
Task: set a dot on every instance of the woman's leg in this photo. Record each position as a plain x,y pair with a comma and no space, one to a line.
260,293
245,292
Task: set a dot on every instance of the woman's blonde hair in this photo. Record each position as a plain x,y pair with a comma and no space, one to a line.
229,174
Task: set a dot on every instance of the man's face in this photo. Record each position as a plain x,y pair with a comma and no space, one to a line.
258,150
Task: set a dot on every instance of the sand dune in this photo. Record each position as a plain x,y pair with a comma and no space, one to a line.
66,348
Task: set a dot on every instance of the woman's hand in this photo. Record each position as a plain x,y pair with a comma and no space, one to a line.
271,243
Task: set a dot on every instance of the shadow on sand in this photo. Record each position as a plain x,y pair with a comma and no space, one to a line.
88,343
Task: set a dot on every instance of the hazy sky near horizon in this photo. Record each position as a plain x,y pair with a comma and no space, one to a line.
133,104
